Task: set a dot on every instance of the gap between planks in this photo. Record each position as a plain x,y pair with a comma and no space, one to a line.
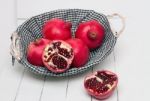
114,55
42,88
17,92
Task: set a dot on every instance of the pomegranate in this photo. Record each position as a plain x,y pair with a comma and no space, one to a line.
81,52
58,56
101,84
91,33
57,29
35,50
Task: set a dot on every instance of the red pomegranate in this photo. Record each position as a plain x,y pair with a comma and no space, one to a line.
57,29
81,52
58,56
91,33
35,50
101,84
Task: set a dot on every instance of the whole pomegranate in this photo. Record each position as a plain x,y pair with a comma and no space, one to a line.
57,29
91,33
58,56
81,52
35,50
101,84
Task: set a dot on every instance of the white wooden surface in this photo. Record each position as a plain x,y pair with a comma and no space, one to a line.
130,58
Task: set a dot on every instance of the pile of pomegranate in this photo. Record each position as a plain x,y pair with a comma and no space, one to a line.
58,51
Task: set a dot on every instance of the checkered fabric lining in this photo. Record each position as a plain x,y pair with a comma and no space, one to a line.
31,30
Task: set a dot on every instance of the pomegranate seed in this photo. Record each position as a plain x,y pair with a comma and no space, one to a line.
59,62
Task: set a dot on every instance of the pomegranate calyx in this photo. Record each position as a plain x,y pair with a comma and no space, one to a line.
92,35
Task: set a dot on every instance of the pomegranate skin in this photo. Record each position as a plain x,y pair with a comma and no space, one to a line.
81,52
91,33
57,29
103,95
35,50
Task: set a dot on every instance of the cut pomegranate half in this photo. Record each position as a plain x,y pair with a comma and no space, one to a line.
101,84
58,56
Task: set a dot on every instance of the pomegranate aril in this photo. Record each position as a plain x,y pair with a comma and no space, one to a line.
92,83
50,49
103,76
64,52
45,56
107,78
56,44
50,56
111,83
96,85
102,89
111,80
59,62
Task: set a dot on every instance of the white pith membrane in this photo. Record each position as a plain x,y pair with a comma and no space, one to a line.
100,80
50,53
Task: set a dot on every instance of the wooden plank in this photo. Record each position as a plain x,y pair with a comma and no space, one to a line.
7,25
10,81
54,89
132,54
76,91
30,88
132,59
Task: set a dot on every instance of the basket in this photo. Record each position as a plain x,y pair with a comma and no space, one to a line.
31,30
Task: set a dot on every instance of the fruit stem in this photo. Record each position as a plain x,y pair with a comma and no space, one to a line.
92,35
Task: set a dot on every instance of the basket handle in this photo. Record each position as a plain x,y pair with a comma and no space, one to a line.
15,47
117,33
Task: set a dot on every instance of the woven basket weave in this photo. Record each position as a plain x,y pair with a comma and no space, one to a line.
31,30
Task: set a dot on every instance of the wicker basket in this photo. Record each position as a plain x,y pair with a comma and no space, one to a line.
31,30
